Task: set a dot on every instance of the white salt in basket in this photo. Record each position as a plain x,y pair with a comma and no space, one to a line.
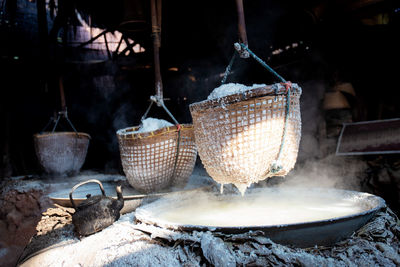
241,138
153,160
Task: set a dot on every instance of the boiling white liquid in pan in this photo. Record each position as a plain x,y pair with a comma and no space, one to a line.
267,208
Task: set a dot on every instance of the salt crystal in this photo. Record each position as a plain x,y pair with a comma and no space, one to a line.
231,89
152,124
242,188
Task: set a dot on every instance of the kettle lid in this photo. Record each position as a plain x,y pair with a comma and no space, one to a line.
90,202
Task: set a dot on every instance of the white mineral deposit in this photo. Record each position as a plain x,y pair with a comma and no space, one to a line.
270,207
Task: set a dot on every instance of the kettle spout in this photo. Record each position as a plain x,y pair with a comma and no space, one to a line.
118,189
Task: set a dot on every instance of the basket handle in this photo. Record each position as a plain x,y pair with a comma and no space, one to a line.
82,183
242,47
155,99
63,112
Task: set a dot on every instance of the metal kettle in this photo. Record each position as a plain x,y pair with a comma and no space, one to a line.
96,212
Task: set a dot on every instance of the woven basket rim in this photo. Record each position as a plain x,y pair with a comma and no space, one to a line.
127,133
268,90
46,134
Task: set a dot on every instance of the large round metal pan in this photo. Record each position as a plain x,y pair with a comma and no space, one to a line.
305,234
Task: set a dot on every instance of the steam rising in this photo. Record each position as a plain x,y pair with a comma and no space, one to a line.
317,165
331,171
267,206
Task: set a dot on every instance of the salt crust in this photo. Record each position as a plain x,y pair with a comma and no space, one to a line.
231,89
147,125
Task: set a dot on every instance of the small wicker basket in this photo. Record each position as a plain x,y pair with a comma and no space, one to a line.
61,152
148,159
239,136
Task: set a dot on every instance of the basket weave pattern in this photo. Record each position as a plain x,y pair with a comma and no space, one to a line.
148,159
239,136
61,152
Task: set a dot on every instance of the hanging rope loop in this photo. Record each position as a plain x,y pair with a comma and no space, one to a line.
228,69
240,48
160,102
56,120
259,60
277,166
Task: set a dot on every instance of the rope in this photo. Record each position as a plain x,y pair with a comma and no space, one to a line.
259,60
155,99
65,115
276,166
147,112
155,29
169,113
179,134
240,47
156,34
56,123
48,124
177,150
228,68
70,124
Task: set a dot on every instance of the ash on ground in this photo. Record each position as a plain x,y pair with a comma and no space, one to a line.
132,243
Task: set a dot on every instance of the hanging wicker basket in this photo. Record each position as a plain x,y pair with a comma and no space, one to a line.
61,152
239,136
150,160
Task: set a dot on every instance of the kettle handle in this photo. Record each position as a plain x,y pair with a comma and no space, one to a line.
82,183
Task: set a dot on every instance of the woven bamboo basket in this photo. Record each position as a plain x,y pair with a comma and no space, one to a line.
148,159
239,136
61,152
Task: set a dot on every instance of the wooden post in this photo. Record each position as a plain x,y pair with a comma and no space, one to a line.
159,14
241,22
241,26
156,32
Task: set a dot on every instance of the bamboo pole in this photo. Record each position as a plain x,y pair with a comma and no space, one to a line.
156,32
241,26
